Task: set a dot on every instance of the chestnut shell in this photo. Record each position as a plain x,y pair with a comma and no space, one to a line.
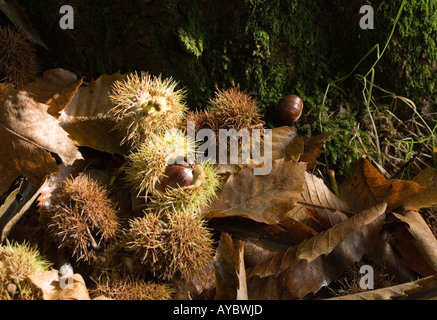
289,109
175,176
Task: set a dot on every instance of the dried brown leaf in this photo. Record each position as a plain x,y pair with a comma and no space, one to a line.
55,288
321,244
424,238
264,198
313,148
295,283
55,88
229,270
27,132
281,138
86,119
316,195
423,289
367,187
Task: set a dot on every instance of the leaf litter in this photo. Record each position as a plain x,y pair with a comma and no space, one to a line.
284,235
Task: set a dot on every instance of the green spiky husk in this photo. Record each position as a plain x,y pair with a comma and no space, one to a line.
187,199
149,161
17,261
135,113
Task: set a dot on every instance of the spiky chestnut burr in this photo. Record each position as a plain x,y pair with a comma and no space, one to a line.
235,109
146,105
18,61
202,120
163,169
170,246
131,288
17,261
83,218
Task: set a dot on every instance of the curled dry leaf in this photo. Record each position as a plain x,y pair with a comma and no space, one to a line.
229,269
86,119
321,244
425,240
27,132
264,198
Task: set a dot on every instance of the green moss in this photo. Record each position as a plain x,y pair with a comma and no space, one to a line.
410,65
267,48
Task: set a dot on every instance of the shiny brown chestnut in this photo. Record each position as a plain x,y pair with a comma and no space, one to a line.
289,109
175,176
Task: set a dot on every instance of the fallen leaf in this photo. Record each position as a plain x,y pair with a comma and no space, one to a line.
65,288
27,132
322,244
367,187
423,289
229,270
281,138
15,206
19,18
385,254
315,195
313,148
295,283
55,88
86,119
200,286
425,240
264,198
427,196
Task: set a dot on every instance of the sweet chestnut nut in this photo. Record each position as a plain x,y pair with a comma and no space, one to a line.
175,176
289,109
